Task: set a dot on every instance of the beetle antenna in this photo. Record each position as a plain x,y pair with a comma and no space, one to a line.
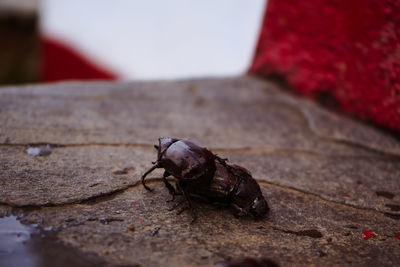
146,173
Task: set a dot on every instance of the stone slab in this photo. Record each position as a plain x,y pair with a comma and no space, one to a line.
235,113
300,230
327,177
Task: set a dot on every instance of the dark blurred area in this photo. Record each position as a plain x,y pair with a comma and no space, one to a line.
19,45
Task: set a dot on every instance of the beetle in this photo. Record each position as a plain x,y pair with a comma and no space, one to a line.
189,163
200,173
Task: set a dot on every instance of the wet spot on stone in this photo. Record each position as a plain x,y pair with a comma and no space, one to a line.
385,194
30,245
39,151
310,233
393,207
123,171
320,253
368,234
120,172
347,234
106,221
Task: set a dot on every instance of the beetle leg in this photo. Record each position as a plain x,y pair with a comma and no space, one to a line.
146,173
186,199
182,210
173,197
239,211
176,205
190,206
171,189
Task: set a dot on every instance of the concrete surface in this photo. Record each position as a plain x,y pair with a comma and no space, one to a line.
327,178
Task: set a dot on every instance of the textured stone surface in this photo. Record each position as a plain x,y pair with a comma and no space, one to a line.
68,174
327,178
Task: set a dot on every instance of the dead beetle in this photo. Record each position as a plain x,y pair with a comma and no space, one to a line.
186,161
203,174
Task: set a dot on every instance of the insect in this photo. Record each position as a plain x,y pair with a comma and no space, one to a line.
200,173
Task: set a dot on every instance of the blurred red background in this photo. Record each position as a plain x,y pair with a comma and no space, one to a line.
342,52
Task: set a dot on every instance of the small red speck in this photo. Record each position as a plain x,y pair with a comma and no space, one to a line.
101,204
9,198
347,195
397,236
133,203
142,221
368,234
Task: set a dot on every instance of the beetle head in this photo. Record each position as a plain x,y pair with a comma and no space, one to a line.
163,144
259,207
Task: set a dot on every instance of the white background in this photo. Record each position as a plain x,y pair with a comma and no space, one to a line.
156,39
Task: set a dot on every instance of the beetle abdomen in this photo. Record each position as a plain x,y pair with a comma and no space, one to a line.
221,185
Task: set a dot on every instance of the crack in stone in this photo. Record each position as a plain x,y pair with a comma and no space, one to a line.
245,149
112,194
310,233
391,153
87,201
59,145
311,128
307,125
275,150
330,201
394,216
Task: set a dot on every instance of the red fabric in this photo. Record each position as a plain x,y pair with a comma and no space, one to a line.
61,62
348,50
